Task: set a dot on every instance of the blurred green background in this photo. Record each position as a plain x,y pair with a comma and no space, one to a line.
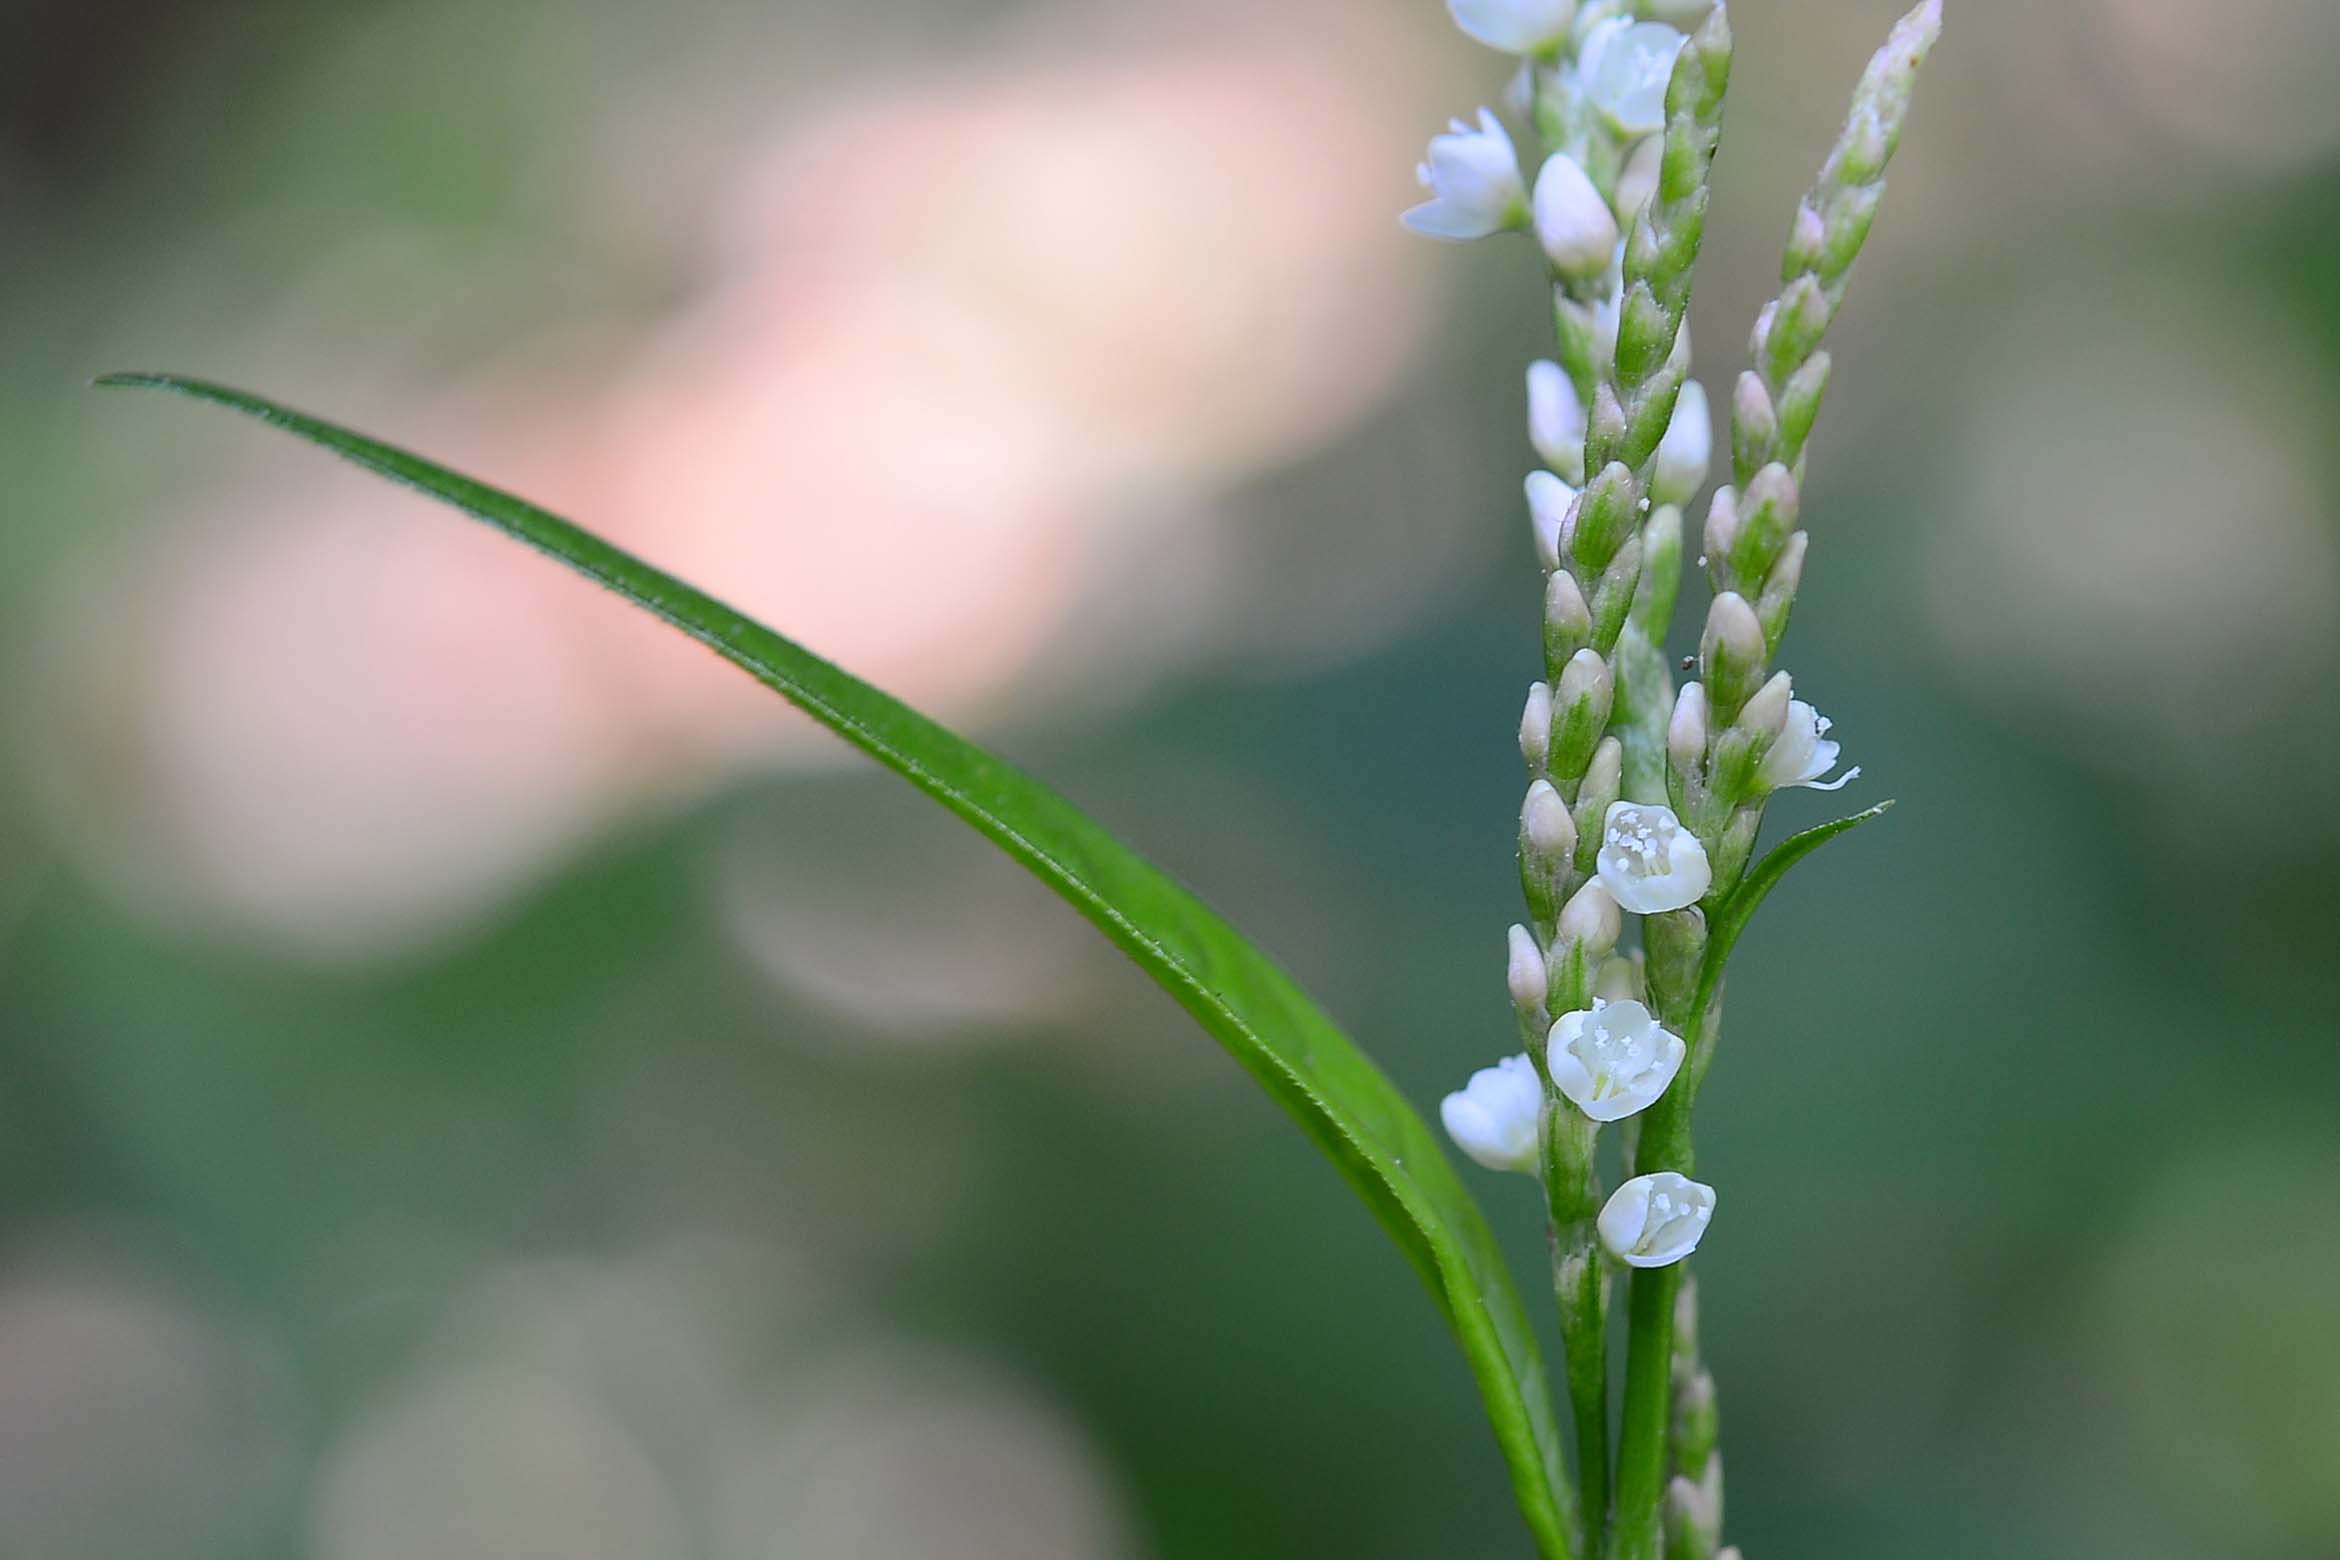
476,1079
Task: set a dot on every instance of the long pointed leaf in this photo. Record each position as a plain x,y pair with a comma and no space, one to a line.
1739,909
1237,993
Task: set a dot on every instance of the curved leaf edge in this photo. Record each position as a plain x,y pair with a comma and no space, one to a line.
1729,921
1394,1162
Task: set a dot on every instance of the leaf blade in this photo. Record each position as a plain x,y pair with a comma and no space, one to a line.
1739,908
1239,995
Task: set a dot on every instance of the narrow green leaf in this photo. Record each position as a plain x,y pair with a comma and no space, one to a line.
1723,931
1236,992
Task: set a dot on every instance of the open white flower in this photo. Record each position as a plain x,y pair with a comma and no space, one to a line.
1614,1060
1556,419
1802,753
1494,1117
1514,26
1626,66
1654,1221
1474,183
1649,862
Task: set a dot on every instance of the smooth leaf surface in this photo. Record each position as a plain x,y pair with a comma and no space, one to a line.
1237,993
1723,932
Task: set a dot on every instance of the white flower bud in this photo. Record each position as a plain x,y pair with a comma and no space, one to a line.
1535,727
1494,1117
1544,821
1722,528
1524,971
1474,183
1626,66
1650,863
1590,918
1802,754
1637,181
1687,731
1767,712
1586,676
1694,1506
1654,1221
1687,449
1556,419
1514,26
1548,500
1567,616
1613,1061
1573,223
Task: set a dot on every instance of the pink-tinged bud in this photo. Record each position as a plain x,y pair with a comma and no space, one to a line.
1722,527
1535,728
1688,731
1524,971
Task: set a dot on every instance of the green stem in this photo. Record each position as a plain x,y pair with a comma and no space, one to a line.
1642,1457
1577,1277
1574,1193
1641,1444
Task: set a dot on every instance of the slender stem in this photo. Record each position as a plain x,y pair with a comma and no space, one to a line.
1573,1191
1642,1456
1641,1447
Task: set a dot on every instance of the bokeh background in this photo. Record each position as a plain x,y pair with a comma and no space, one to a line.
477,1078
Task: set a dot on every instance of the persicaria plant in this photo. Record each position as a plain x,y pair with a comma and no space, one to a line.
1644,803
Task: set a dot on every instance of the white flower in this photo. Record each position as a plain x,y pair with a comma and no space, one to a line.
1626,67
1573,220
1494,1117
1614,1060
1654,1221
1514,26
1556,419
1548,500
1686,450
1648,861
1474,183
1802,753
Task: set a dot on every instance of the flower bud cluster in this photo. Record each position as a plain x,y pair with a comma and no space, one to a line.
1776,401
1640,801
1629,108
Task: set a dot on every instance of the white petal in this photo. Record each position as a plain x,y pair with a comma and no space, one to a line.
1626,68
1440,220
1654,1221
1687,449
1649,862
1556,419
1514,26
1495,1117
